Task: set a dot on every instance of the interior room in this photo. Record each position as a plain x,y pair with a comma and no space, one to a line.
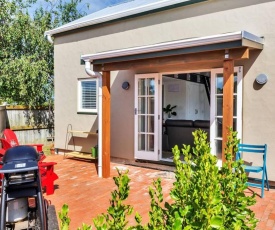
186,107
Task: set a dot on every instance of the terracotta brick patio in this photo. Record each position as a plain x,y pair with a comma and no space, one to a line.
87,195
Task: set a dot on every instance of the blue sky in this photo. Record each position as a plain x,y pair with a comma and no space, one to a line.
95,5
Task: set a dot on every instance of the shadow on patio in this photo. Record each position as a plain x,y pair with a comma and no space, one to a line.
87,195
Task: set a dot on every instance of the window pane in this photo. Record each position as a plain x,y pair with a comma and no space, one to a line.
234,124
151,83
141,123
145,142
219,84
218,144
141,86
218,127
235,105
219,101
151,105
150,128
146,87
235,82
88,96
141,142
141,105
150,143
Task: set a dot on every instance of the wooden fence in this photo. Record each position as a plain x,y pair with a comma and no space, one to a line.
30,126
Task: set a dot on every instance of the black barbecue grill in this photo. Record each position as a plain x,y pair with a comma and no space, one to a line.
21,182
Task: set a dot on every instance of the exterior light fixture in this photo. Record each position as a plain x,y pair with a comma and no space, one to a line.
261,79
125,85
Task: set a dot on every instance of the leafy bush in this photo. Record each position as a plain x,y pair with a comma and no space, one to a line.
235,212
64,218
115,219
204,196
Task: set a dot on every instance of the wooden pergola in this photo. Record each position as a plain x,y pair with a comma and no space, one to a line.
221,55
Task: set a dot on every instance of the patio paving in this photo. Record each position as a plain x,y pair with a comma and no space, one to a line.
87,195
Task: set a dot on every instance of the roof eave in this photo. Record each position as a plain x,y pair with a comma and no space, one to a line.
246,39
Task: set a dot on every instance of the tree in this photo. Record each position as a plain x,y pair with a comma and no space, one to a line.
26,58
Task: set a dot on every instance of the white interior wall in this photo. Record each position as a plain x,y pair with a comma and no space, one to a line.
190,98
175,94
205,106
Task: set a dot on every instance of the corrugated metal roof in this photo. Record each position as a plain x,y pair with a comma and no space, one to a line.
125,9
110,10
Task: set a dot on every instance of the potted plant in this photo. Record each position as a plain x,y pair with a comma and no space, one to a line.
94,151
169,110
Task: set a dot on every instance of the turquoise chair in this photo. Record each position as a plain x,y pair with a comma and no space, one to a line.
260,168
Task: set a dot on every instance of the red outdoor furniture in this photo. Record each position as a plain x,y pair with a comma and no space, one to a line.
46,169
11,137
5,145
48,176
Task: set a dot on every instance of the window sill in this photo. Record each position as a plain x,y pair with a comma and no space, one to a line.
87,113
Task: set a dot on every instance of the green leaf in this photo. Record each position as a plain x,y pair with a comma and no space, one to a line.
216,222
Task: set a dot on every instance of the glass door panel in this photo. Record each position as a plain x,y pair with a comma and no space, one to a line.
146,116
217,108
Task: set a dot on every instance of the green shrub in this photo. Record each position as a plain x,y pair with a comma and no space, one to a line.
236,214
85,227
205,197
115,219
64,218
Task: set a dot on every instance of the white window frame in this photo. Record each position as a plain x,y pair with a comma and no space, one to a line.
79,96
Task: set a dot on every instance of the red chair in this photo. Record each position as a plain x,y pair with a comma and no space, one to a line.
5,145
48,176
46,169
11,137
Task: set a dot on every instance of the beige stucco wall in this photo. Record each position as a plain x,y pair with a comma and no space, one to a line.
208,18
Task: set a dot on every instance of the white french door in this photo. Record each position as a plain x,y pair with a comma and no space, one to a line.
147,116
216,110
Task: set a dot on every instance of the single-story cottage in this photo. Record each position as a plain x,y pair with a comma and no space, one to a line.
211,60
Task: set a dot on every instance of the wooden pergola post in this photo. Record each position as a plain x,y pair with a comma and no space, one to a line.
228,90
106,124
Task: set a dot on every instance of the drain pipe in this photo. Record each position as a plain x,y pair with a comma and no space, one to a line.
90,72
49,38
99,76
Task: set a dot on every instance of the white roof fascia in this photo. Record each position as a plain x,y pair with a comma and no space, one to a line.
117,15
192,42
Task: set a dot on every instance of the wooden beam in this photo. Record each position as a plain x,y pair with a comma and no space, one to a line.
228,90
204,57
181,67
106,124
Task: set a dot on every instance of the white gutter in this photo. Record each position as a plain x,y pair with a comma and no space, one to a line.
99,76
116,15
191,42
